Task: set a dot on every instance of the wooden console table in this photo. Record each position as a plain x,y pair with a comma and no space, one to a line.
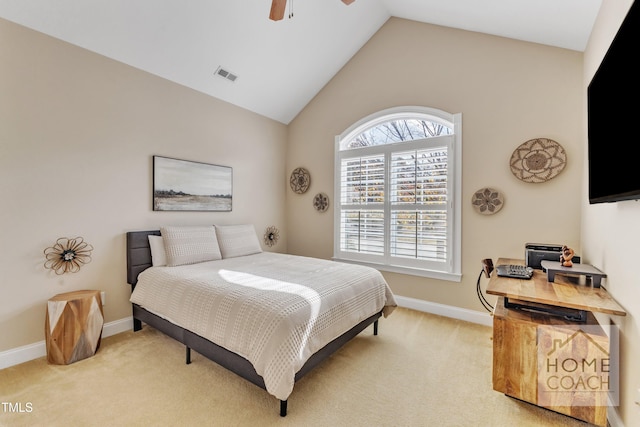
534,318
73,326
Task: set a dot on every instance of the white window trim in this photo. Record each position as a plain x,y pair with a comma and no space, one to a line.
398,113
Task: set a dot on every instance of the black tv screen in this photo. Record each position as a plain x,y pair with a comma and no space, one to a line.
613,117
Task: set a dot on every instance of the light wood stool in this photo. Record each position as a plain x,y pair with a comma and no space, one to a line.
73,326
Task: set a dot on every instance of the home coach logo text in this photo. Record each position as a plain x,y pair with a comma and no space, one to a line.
571,374
574,366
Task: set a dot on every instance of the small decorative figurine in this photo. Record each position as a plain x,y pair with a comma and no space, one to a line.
565,258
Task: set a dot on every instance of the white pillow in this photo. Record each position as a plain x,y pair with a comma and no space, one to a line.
158,254
190,244
237,240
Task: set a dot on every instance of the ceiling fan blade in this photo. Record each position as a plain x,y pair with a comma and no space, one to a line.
277,9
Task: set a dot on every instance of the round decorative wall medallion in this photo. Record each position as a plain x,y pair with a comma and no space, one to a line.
487,201
300,180
538,160
271,235
321,202
68,255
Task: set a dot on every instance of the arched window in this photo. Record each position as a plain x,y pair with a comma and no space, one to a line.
397,192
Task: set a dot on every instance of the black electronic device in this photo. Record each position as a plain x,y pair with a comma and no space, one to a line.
535,253
514,271
612,171
543,247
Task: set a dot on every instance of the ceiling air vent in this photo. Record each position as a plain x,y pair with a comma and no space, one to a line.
221,72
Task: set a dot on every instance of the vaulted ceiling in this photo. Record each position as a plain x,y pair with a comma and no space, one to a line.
279,66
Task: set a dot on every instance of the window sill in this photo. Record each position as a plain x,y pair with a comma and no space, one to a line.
441,275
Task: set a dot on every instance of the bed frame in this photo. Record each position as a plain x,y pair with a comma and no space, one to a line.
139,259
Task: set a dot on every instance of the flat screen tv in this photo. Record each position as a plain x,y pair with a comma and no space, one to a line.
613,98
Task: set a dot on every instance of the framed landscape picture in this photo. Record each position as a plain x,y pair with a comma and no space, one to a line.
183,185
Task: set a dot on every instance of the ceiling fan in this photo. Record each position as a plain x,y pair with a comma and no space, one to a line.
278,6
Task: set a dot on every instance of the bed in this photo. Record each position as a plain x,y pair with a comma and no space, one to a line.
268,317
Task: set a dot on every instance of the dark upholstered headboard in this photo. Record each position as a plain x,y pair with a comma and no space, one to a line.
138,253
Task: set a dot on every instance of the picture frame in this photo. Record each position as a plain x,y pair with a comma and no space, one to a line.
184,185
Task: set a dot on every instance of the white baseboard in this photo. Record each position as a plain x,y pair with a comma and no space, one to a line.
612,415
445,310
22,354
117,326
29,352
33,351
484,319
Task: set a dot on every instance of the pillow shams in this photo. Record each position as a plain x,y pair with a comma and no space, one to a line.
190,244
158,254
237,240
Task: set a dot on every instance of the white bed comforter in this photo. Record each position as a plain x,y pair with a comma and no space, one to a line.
274,310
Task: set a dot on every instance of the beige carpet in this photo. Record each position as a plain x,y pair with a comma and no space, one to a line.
421,370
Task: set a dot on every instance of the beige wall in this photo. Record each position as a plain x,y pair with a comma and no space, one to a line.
610,233
77,132
507,91
77,136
